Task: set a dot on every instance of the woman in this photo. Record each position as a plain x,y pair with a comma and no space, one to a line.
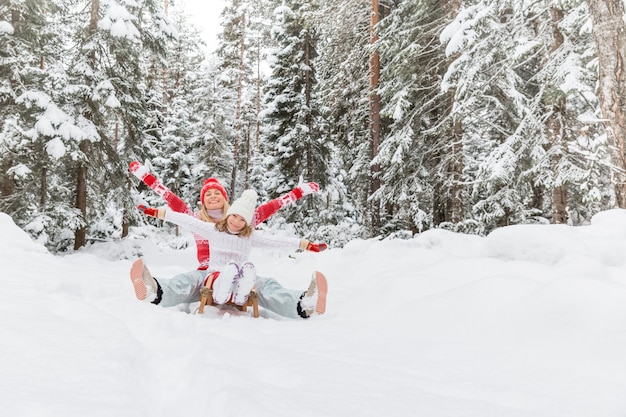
185,288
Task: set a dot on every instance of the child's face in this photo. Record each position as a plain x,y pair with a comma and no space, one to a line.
235,223
213,199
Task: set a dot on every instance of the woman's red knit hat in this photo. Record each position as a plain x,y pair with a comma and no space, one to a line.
213,183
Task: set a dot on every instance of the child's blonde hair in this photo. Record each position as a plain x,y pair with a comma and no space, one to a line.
222,227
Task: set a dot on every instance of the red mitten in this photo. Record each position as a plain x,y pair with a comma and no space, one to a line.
149,211
309,187
306,188
265,211
316,247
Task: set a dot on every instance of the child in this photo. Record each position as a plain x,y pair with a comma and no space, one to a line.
231,241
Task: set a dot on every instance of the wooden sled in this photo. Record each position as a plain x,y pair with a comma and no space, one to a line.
206,298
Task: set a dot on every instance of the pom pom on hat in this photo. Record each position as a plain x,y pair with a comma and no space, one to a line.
244,206
212,183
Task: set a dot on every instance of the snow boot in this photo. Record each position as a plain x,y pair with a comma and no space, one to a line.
142,280
313,300
244,284
223,285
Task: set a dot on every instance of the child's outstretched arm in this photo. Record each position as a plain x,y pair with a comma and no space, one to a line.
185,220
265,211
262,239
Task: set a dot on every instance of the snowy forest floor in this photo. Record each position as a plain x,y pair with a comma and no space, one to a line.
529,321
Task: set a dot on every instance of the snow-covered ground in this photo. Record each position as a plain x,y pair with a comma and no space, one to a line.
529,321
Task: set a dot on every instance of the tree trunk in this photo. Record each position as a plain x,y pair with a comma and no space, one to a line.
375,124
7,180
456,212
554,127
43,200
609,32
248,157
456,204
165,76
447,202
242,51
308,88
80,235
125,220
258,96
95,10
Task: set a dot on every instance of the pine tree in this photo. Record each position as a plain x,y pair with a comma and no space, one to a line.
566,80
518,133
84,88
36,132
294,139
187,100
342,72
609,32
235,76
416,153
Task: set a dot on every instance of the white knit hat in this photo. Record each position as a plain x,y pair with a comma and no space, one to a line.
244,206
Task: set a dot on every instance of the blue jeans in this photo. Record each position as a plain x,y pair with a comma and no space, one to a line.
185,288
182,288
276,298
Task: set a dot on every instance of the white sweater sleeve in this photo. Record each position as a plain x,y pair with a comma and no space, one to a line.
257,238
204,229
261,239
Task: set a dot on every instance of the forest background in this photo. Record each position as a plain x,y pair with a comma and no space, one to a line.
410,114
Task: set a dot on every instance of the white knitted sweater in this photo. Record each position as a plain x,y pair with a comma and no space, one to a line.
226,247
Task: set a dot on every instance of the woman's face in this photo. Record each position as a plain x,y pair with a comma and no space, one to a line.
213,199
235,223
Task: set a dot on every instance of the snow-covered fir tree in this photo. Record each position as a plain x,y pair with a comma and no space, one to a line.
36,132
492,112
90,100
234,81
609,34
113,42
187,102
511,97
342,73
294,142
416,155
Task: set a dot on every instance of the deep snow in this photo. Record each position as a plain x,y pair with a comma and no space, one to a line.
529,321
